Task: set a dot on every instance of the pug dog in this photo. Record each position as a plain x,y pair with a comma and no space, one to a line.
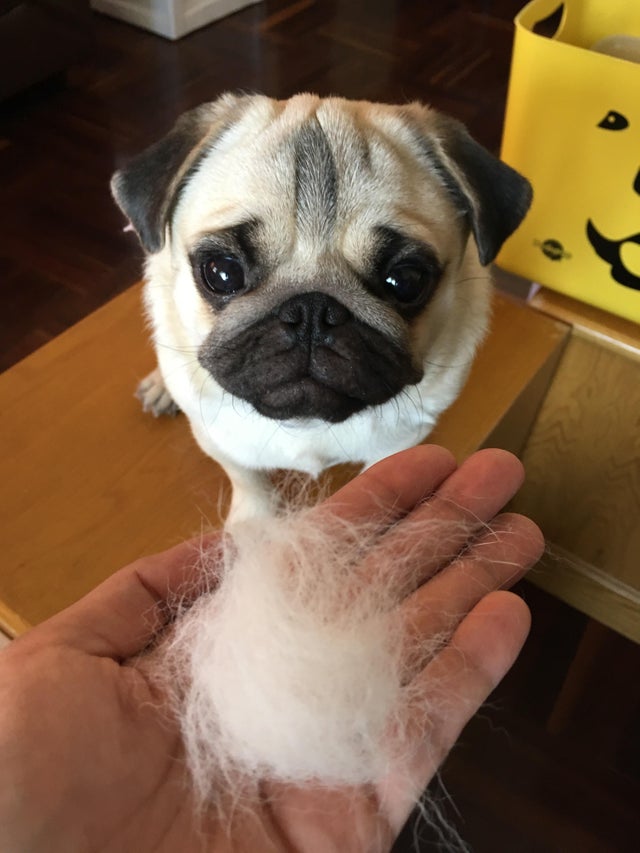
316,277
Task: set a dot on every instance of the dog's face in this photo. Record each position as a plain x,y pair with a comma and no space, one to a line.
314,249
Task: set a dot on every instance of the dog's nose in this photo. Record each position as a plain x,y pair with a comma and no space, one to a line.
313,315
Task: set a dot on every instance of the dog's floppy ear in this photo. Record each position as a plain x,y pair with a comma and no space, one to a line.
493,196
147,188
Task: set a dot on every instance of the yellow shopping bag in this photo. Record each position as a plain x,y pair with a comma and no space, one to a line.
572,127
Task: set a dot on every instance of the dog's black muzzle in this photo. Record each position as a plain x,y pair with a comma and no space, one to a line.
310,358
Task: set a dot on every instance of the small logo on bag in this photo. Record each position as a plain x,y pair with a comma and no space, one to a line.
552,249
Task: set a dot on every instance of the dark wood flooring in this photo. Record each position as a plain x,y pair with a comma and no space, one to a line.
553,762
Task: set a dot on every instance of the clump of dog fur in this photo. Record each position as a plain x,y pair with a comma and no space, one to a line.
293,665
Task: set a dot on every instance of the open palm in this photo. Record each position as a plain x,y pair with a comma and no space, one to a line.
90,760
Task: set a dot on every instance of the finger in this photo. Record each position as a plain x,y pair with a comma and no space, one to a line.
391,488
453,686
482,485
496,560
122,615
481,652
437,530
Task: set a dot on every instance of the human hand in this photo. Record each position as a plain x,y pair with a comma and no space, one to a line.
89,761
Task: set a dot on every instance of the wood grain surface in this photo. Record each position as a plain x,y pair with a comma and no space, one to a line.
583,468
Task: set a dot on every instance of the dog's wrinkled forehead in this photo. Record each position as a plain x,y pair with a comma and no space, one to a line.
314,167
316,179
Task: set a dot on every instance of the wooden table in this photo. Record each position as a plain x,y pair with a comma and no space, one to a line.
91,483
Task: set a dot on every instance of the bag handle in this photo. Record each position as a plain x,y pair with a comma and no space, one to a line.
537,10
583,22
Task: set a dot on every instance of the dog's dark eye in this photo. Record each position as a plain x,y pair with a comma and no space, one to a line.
409,283
222,274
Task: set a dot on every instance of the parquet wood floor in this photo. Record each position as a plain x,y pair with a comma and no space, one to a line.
540,769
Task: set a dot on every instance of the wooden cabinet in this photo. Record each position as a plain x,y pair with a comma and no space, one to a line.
583,467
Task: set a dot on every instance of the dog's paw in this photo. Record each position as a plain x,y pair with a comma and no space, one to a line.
154,396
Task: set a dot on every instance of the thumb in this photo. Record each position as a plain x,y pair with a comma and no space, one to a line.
122,615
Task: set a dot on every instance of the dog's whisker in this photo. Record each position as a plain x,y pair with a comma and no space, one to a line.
178,349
